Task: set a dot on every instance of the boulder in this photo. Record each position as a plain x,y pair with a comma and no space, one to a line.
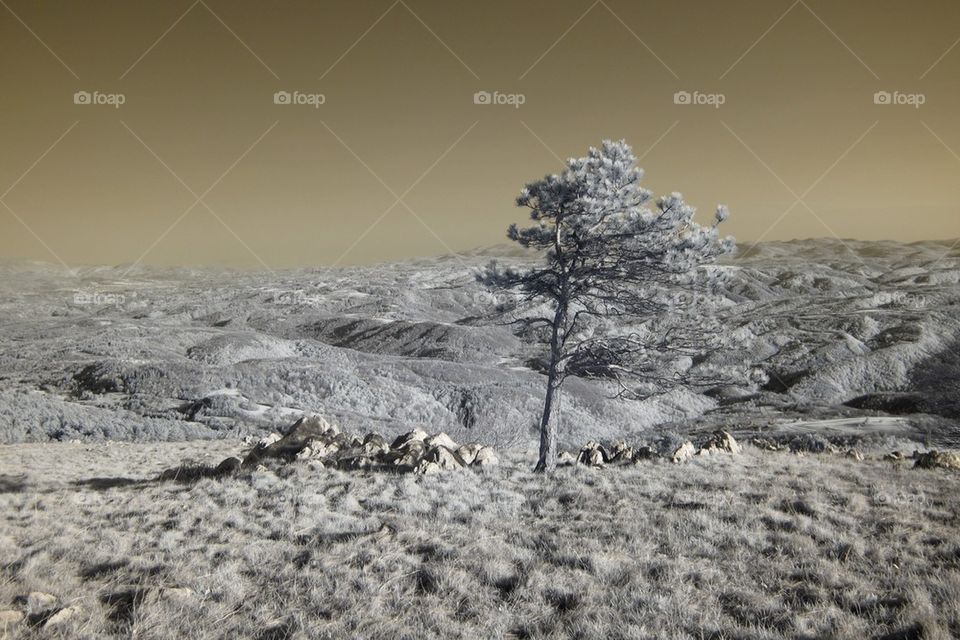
266,441
316,449
408,456
646,452
355,459
853,454
9,617
937,460
61,617
427,468
228,467
894,456
417,435
375,443
468,452
176,593
621,453
683,453
314,426
766,444
304,454
39,602
566,459
593,455
720,442
320,444
485,458
303,431
445,458
441,440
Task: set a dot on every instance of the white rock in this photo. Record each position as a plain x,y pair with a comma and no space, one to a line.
444,457
9,618
61,617
417,435
592,454
266,441
485,458
720,442
427,468
937,460
38,602
684,452
441,440
176,593
468,452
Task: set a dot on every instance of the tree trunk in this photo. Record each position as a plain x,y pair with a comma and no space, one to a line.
548,426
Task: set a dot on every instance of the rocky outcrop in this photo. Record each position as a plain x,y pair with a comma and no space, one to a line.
684,452
720,442
937,460
312,439
595,454
37,609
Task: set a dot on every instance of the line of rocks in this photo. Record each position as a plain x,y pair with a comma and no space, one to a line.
933,459
37,609
595,454
46,611
322,445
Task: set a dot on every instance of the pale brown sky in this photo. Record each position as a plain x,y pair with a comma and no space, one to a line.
798,149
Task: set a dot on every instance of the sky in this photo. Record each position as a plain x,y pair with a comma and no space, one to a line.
265,135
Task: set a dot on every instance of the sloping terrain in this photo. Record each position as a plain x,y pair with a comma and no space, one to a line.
757,546
841,330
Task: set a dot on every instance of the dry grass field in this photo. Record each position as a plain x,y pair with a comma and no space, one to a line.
759,545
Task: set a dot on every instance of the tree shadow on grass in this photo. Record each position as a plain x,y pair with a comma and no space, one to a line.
184,474
102,484
12,484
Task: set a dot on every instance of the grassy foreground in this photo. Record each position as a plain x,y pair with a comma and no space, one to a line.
761,545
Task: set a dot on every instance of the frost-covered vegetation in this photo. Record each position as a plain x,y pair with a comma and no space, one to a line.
206,353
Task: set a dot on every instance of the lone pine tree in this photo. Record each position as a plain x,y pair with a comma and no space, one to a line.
610,252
